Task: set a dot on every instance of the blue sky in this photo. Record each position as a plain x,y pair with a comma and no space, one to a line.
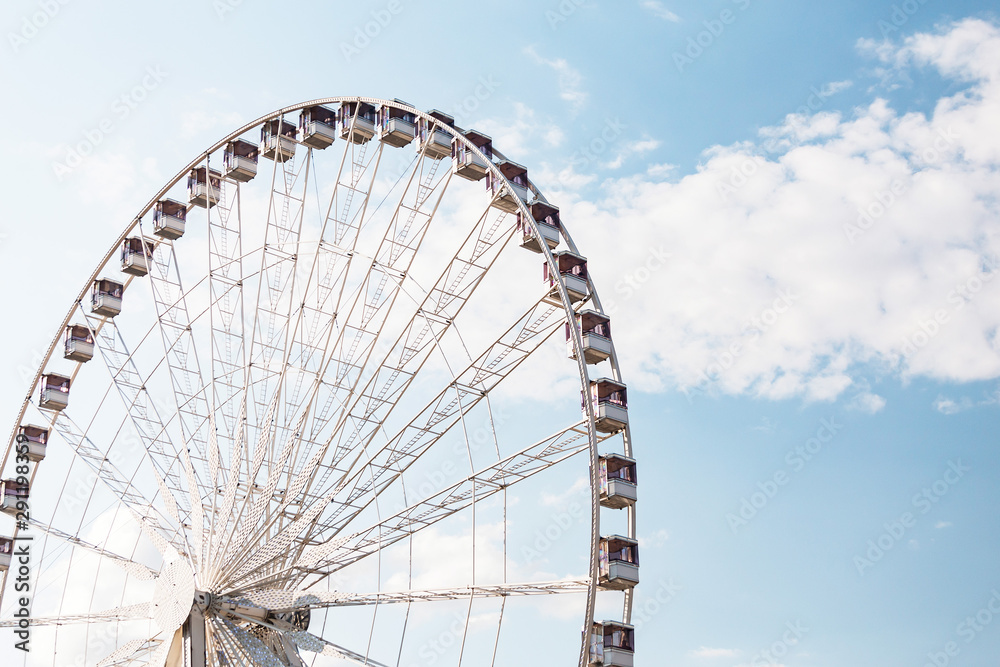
794,223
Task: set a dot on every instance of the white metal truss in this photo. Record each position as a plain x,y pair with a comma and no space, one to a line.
311,369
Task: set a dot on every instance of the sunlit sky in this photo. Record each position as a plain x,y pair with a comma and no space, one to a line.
789,208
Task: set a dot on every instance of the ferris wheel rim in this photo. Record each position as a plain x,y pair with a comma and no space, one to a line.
456,134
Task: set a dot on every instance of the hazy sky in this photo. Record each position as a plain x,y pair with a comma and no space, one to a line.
789,208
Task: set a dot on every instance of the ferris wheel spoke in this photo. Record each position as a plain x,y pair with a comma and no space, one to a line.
367,314
129,652
442,413
256,651
275,301
132,612
331,263
307,641
189,389
137,570
144,417
412,441
447,409
226,316
225,512
241,531
140,508
538,457
365,324
265,497
432,317
280,600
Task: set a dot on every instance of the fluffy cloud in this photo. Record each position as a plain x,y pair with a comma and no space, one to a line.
833,247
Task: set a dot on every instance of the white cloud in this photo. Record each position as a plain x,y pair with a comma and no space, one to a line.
632,148
654,541
868,402
204,122
570,81
575,492
526,133
940,525
948,406
659,11
820,253
835,87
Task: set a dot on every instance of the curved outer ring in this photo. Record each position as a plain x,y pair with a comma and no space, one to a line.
550,260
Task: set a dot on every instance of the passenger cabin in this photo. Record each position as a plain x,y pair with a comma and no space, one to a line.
573,269
11,493
6,552
53,391
317,126
595,330
137,256
396,127
612,644
505,198
465,162
239,160
435,140
79,343
36,438
356,121
618,481
277,140
106,297
610,405
169,217
547,218
618,561
204,187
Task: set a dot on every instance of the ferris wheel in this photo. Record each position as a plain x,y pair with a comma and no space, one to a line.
288,419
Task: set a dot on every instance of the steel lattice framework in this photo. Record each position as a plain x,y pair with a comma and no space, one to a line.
250,424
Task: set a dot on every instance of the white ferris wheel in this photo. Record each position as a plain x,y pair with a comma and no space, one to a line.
279,391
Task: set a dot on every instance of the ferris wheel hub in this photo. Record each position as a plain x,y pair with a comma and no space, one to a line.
173,595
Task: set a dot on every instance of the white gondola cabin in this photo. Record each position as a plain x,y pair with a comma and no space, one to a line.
12,493
612,644
573,269
36,438
465,162
618,562
595,330
396,127
79,343
547,218
53,391
106,297
277,140
618,481
505,198
356,121
169,217
434,139
137,256
317,126
610,402
6,552
239,160
204,187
